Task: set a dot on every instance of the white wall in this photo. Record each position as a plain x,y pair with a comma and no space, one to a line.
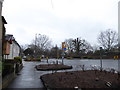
14,51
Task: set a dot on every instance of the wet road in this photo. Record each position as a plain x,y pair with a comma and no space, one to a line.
29,77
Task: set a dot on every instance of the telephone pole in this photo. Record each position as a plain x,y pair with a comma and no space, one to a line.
101,59
35,46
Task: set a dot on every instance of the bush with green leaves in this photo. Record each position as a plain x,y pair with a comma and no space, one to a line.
18,59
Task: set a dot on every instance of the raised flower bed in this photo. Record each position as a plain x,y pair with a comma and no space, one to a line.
81,79
45,67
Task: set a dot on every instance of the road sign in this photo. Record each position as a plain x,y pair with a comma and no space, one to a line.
63,45
64,48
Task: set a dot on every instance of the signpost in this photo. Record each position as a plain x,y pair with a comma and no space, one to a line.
63,51
63,54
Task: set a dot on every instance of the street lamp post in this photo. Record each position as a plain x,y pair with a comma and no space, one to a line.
100,58
35,46
118,52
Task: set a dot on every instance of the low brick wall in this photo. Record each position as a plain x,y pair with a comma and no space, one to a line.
10,77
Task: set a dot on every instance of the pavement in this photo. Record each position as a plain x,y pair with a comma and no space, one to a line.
28,77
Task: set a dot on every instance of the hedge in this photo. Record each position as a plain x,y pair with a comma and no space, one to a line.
7,68
18,59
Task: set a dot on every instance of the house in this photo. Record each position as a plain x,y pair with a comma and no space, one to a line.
11,48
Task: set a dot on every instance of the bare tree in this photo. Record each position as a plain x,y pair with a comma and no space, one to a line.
81,45
95,47
86,46
77,47
43,42
107,39
40,44
23,47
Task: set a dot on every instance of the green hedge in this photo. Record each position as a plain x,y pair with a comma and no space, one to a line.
18,59
9,61
69,57
7,68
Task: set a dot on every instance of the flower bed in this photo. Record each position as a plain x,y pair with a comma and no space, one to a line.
81,79
46,67
32,59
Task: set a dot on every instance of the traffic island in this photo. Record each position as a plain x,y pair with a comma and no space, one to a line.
46,67
32,59
81,79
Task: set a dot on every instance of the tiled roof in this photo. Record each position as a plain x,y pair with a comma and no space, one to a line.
9,37
4,21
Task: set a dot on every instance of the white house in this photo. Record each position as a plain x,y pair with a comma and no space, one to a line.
11,47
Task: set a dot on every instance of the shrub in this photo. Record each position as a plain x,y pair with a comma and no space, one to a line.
38,59
90,57
69,57
7,69
9,61
85,57
27,59
18,59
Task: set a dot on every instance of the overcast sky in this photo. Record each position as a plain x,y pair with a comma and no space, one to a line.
60,20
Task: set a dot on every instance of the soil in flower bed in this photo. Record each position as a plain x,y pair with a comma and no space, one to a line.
32,60
81,79
45,67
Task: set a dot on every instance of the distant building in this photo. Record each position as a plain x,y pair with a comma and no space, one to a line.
11,48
